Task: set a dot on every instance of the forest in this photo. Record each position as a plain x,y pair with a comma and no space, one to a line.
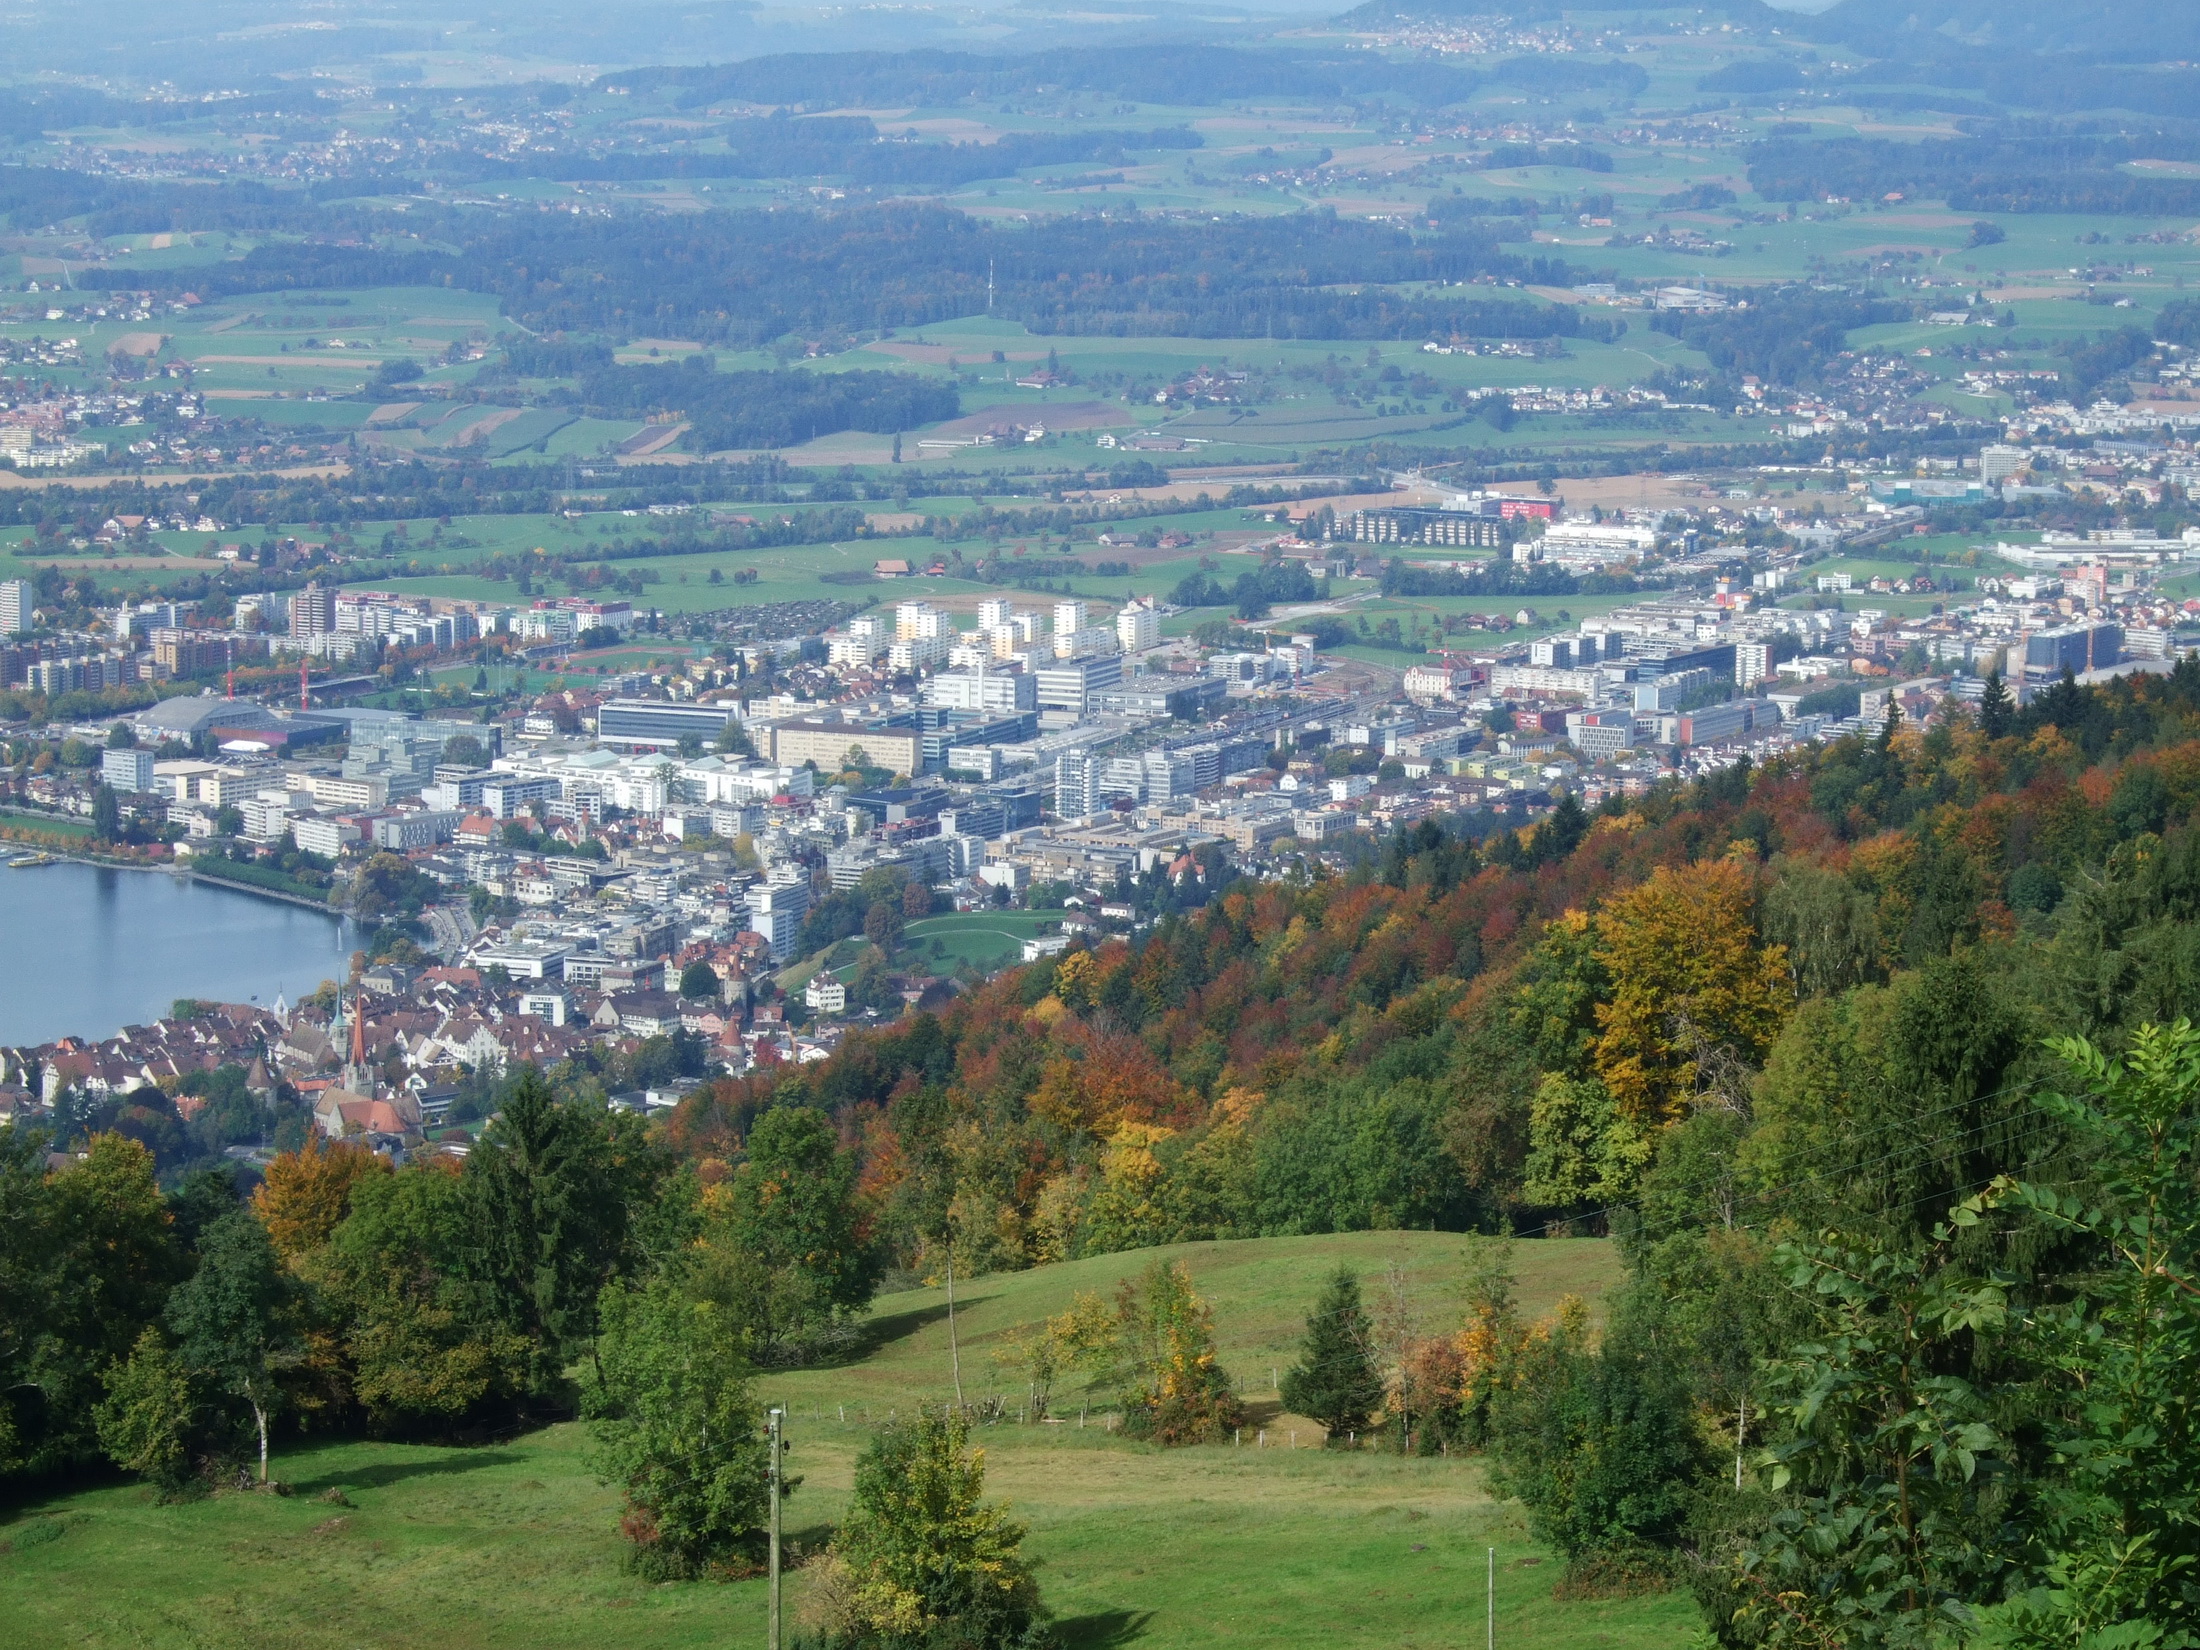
1874,1062
747,278
1786,335
2007,167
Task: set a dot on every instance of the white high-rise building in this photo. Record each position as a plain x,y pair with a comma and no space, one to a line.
995,613
980,689
1089,643
1752,663
1138,626
1069,618
1077,787
921,621
313,611
17,603
776,910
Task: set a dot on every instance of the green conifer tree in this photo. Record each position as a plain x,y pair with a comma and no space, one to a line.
1335,1380
1996,710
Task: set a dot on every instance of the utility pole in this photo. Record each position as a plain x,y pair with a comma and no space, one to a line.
778,1436
1490,1592
954,1347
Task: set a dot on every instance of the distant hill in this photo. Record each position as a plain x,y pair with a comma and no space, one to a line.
1377,12
2106,31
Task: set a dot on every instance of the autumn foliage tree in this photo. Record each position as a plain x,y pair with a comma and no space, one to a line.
1174,1390
307,1193
1692,991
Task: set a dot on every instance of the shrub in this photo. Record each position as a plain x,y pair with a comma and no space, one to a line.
923,1563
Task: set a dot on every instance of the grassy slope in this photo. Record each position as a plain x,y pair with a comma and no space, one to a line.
516,1544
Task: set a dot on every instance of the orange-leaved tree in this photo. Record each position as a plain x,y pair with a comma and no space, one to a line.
307,1193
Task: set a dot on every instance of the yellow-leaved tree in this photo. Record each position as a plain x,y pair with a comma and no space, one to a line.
1692,990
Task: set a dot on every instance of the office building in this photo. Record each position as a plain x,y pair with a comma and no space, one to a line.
1404,525
982,690
266,816
508,795
656,724
1713,723
831,746
520,958
1183,697
1599,734
401,833
210,784
326,837
2076,648
1076,684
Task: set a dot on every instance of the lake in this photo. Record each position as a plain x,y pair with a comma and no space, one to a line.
87,951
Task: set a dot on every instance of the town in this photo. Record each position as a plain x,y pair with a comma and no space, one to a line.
725,860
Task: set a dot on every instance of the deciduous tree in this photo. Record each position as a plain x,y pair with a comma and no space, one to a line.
923,1559
786,1256
674,1426
308,1192
146,1420
1174,1389
1690,984
235,1319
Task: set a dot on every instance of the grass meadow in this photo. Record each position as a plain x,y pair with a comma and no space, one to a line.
1252,1547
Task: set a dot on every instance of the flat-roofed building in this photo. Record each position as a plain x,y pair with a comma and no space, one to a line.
656,724
830,744
129,771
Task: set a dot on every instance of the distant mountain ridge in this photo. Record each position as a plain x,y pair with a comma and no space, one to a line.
2135,31
2101,31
